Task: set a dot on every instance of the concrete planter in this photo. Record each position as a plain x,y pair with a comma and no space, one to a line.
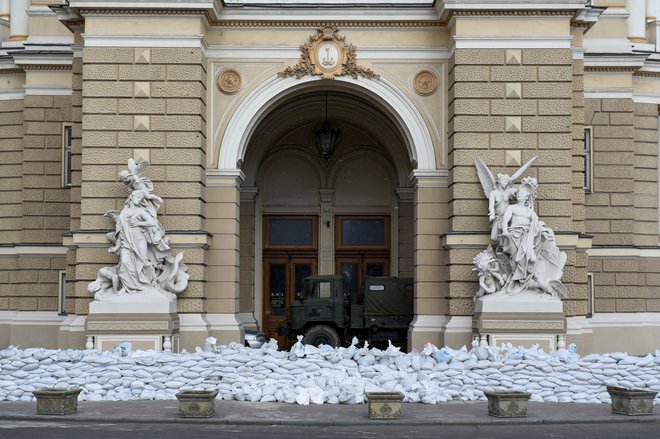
385,405
632,402
56,402
507,404
197,403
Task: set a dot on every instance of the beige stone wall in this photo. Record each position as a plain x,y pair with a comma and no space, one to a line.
577,135
45,201
147,104
610,207
72,295
645,198
514,100
626,285
29,283
622,210
11,171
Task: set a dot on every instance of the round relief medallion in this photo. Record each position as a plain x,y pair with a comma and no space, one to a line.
425,82
229,81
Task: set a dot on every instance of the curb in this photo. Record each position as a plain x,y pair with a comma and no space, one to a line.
314,422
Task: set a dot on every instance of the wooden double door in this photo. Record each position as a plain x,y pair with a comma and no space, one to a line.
291,254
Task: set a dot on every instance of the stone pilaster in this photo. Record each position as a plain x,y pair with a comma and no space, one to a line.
223,293
432,303
406,202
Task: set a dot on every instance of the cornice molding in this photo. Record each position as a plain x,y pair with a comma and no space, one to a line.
329,23
511,12
16,71
46,67
611,69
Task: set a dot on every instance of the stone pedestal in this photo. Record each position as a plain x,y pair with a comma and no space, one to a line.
146,325
523,319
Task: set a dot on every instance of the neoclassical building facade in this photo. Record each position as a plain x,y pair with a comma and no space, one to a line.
228,101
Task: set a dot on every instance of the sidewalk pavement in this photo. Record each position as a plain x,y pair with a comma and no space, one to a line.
256,413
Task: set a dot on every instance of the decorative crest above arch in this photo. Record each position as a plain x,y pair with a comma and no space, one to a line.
328,55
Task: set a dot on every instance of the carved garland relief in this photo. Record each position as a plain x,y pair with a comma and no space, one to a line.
327,55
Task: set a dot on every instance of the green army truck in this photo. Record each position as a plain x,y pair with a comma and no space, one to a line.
326,314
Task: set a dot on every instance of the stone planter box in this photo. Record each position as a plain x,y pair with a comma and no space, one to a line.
197,403
507,404
632,402
56,402
385,405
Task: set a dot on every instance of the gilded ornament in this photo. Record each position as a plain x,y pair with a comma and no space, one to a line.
327,55
229,81
425,82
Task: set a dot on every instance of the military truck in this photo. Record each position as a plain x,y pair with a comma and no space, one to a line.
325,312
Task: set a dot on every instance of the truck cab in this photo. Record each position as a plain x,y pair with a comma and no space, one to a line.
324,313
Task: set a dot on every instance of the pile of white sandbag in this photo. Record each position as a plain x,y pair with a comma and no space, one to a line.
307,374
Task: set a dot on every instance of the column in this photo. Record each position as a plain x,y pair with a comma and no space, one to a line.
18,20
636,21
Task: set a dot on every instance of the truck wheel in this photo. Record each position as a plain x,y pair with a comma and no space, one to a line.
321,334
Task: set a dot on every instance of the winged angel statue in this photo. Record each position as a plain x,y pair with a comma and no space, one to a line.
526,257
146,269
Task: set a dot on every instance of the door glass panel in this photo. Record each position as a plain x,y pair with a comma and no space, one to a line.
301,272
357,231
290,232
375,269
277,291
351,281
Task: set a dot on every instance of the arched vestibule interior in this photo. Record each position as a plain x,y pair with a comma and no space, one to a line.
348,214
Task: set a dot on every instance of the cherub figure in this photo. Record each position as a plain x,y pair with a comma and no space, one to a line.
491,279
499,193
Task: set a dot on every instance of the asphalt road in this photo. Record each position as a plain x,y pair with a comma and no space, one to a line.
48,430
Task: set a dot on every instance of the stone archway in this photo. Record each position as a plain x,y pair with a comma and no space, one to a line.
236,178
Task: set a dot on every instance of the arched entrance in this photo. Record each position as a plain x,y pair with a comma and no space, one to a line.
335,214
302,214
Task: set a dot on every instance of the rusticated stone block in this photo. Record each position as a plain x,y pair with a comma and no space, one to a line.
108,89
185,72
513,73
620,105
478,123
142,72
513,107
177,56
555,73
547,56
178,123
478,90
547,124
99,105
133,106
479,56
461,307
546,90
98,72
108,55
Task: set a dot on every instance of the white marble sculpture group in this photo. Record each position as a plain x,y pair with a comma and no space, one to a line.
526,257
146,271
